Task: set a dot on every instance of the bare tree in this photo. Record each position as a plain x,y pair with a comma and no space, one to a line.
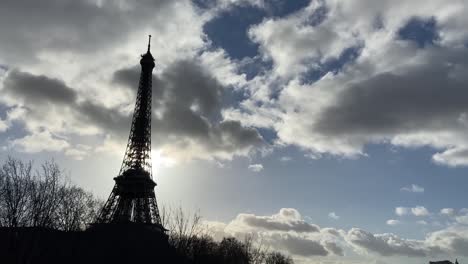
45,195
203,250
278,258
15,184
179,223
194,241
76,209
256,249
183,228
233,251
93,206
43,199
185,225
165,213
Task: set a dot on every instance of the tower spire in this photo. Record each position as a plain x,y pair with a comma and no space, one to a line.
133,199
149,43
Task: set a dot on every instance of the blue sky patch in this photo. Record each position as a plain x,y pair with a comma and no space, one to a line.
421,31
3,68
317,17
332,65
269,135
229,31
284,8
255,66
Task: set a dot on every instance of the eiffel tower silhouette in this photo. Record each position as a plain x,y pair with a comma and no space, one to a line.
132,199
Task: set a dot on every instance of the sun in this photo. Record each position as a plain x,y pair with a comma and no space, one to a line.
160,160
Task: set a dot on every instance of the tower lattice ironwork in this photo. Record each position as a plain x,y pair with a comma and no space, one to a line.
132,199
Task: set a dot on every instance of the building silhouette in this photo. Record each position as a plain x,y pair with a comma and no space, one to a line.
443,262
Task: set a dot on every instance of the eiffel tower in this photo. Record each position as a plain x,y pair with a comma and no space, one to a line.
132,199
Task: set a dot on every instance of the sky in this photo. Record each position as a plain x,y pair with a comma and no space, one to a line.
332,130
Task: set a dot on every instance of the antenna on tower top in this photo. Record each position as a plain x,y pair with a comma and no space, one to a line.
149,43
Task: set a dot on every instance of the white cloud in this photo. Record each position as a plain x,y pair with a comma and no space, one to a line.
255,167
287,231
393,222
284,231
401,211
421,222
282,99
88,89
420,211
453,157
416,211
325,116
413,188
453,240
333,216
40,141
462,219
292,44
12,114
385,244
3,126
287,219
447,211
78,152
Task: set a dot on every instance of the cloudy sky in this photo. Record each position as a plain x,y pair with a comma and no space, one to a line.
334,130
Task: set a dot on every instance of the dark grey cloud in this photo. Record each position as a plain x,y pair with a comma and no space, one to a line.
427,97
298,245
38,88
129,78
187,101
109,119
29,27
40,93
232,135
334,248
188,84
190,99
460,245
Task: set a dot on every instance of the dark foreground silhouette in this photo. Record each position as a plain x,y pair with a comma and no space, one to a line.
124,244
44,219
101,244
